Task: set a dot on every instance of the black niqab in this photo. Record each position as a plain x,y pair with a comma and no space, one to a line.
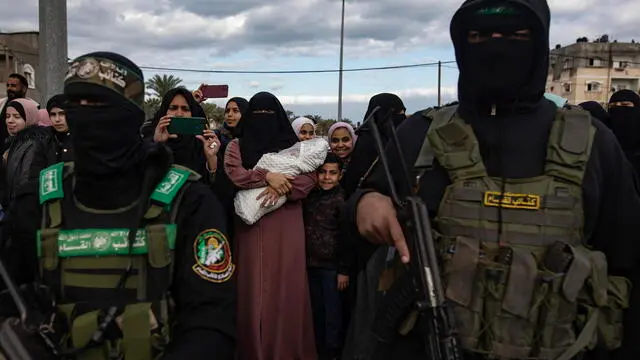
264,132
364,153
389,104
625,121
597,111
187,150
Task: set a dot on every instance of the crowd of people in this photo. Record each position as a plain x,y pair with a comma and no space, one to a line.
305,279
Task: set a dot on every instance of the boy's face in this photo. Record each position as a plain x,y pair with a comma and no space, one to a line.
328,176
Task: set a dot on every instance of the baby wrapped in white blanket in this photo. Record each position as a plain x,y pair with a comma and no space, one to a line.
301,158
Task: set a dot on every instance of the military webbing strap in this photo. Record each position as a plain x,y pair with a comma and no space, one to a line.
455,146
569,146
135,322
51,191
108,249
453,142
425,157
166,192
584,339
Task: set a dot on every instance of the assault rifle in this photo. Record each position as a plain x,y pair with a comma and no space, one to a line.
31,336
420,292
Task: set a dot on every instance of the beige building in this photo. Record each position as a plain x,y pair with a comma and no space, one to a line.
593,71
19,54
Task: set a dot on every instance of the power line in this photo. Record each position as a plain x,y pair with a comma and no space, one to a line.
392,67
293,71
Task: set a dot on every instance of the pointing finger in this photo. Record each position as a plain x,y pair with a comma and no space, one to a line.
399,241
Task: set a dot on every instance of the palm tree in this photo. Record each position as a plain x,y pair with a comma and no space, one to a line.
160,85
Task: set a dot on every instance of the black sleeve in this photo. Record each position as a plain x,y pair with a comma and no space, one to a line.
612,215
347,245
611,203
19,228
411,134
204,284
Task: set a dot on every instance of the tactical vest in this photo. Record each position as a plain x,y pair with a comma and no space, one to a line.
516,270
83,254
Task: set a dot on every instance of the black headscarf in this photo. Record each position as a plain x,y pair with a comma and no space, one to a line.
187,150
364,153
262,133
625,121
597,111
227,133
389,104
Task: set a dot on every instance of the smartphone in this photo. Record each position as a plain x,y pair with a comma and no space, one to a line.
215,91
187,125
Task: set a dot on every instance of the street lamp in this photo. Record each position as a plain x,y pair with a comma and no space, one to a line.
341,61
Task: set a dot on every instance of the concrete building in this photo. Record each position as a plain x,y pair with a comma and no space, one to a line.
19,54
593,71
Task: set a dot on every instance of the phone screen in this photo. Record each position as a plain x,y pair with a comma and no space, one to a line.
215,91
187,125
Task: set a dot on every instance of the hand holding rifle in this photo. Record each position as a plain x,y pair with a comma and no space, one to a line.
404,223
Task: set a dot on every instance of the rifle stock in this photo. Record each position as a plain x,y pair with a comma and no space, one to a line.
421,293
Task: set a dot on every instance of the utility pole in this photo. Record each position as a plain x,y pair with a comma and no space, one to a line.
341,63
52,47
439,83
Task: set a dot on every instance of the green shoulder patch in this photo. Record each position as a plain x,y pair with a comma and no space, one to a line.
169,187
51,183
213,256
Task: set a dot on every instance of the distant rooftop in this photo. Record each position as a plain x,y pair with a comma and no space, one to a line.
597,46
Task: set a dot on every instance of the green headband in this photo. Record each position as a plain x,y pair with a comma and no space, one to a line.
498,10
108,74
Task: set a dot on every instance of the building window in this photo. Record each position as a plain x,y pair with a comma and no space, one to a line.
594,62
594,86
566,87
27,71
566,64
620,65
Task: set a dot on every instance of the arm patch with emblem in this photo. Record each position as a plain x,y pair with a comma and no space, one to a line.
213,256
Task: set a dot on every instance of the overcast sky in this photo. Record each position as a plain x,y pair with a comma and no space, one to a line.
301,35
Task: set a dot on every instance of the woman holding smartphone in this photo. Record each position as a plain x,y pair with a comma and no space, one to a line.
197,152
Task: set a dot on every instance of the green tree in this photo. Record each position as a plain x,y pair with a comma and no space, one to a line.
315,118
215,114
323,125
160,85
151,106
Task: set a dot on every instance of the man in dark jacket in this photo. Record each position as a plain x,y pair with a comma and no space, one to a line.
119,182
504,135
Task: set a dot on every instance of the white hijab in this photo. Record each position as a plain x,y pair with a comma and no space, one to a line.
298,123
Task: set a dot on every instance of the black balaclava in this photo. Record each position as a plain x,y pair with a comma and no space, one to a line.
498,66
262,132
187,149
625,121
597,111
506,74
105,138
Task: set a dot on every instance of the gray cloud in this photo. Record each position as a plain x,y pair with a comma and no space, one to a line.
291,27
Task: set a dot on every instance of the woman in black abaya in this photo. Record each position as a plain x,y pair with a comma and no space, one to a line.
199,153
364,153
624,108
